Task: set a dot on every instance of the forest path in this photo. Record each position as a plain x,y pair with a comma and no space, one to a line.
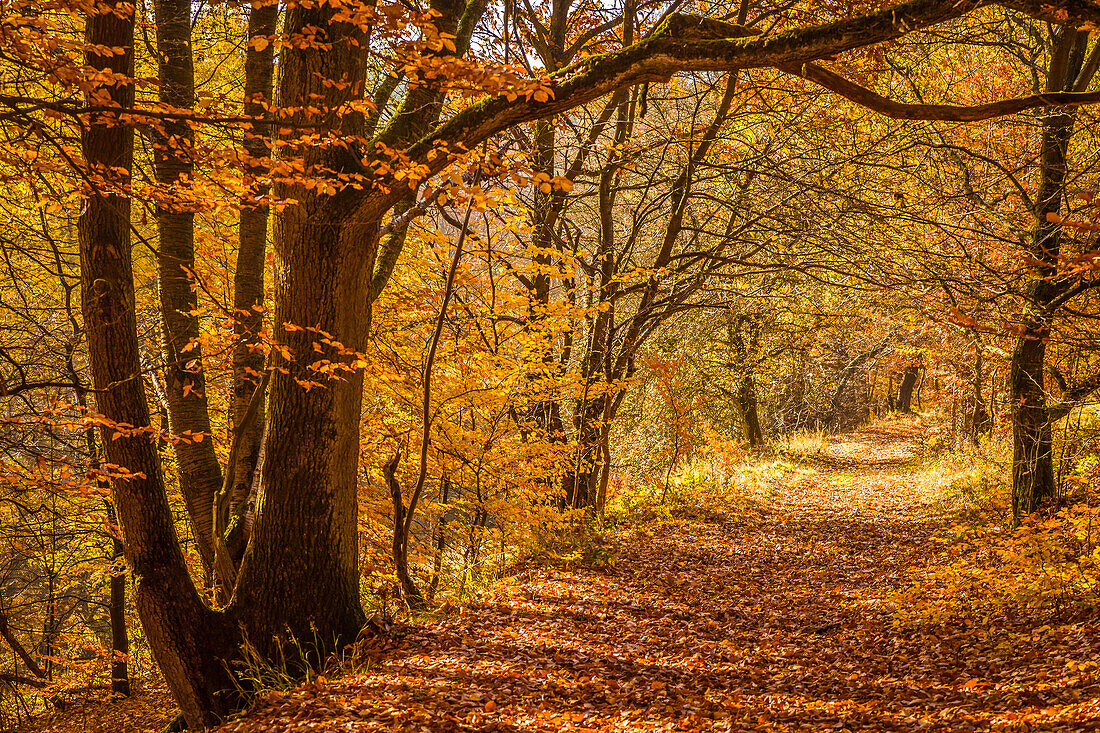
775,621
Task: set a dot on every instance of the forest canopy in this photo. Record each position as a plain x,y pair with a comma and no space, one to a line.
312,310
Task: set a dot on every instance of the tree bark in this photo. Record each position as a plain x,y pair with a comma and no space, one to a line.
905,390
170,608
298,586
299,579
580,485
745,395
1032,465
120,639
749,407
545,412
400,544
200,474
248,277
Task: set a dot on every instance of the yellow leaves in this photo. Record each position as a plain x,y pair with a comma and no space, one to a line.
544,182
541,93
1045,563
440,42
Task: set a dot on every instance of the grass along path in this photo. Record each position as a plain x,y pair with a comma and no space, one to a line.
777,621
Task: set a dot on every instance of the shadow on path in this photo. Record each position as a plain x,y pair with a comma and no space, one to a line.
777,621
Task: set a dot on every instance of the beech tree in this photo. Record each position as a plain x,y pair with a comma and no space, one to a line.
352,148
1050,287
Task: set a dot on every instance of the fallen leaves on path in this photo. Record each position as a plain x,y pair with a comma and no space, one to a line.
778,620
772,622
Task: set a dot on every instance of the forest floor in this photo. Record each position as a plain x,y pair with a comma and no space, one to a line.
777,618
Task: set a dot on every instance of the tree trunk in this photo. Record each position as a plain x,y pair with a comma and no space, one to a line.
299,579
1032,466
749,406
401,530
920,387
605,467
170,608
747,402
200,474
248,277
545,411
120,639
580,486
298,586
905,390
441,537
980,422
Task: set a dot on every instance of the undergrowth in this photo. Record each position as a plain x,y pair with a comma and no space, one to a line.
1045,569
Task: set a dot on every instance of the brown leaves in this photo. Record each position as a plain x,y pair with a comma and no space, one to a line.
773,621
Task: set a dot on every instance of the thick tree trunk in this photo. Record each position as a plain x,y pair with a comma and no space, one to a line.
745,395
170,608
1032,467
544,412
200,474
748,404
298,586
580,485
299,579
905,390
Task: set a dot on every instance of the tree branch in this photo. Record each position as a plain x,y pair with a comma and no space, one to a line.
692,43
1072,395
942,112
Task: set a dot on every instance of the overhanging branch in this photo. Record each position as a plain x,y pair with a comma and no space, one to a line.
692,43
942,112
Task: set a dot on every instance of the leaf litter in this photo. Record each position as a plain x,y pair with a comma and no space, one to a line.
774,620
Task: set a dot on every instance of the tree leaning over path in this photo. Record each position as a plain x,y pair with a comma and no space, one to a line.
298,582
